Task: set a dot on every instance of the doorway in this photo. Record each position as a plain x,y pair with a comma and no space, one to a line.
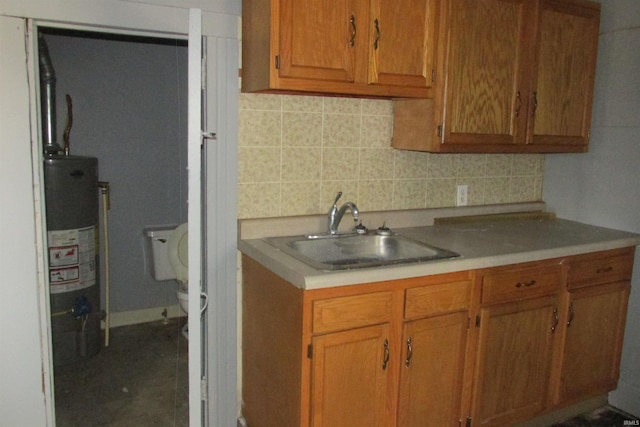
129,103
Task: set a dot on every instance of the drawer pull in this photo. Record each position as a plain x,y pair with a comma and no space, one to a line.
604,270
385,361
556,320
525,284
407,361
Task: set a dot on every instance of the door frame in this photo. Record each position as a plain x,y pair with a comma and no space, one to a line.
173,22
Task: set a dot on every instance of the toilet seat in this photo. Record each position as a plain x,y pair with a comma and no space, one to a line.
178,252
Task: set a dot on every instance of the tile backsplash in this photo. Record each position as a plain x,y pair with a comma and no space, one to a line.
297,152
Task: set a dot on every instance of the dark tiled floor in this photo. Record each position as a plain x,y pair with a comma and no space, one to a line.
602,417
140,380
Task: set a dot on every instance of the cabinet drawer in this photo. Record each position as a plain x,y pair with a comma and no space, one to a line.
334,314
514,285
436,299
594,270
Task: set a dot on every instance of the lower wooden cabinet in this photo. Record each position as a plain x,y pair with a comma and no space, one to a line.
492,347
431,372
349,378
517,321
598,288
593,342
515,350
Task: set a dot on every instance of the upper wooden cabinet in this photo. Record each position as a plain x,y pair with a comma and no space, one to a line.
354,47
512,76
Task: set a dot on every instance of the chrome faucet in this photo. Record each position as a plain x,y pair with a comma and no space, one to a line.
335,214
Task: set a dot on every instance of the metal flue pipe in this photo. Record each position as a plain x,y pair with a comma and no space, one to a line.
48,99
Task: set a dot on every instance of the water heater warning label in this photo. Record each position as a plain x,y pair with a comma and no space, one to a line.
72,259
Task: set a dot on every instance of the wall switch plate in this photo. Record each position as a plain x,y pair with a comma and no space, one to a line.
462,198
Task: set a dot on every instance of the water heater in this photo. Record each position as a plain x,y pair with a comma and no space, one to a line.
71,200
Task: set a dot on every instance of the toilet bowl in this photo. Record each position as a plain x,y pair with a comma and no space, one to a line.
177,250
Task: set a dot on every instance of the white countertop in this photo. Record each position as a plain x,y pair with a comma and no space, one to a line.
480,244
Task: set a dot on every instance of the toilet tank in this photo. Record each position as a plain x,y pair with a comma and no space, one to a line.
158,242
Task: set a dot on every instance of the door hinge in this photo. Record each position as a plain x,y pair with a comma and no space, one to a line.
439,130
310,351
277,62
204,389
478,321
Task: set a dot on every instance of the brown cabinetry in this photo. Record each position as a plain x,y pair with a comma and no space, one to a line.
349,378
358,47
512,76
434,343
491,347
433,359
517,322
598,293
361,355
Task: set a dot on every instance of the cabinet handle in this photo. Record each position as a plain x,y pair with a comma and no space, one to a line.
535,103
385,361
556,320
525,284
519,99
407,361
604,270
352,21
376,24
571,314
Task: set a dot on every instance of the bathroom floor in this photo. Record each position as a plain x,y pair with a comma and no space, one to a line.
141,379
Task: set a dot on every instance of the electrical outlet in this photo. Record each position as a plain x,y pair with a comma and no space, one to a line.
463,195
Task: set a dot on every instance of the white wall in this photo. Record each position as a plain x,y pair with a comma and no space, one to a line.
22,371
602,186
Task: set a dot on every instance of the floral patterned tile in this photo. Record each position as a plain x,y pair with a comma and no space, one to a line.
343,144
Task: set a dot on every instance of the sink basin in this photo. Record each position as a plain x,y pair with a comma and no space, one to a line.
351,251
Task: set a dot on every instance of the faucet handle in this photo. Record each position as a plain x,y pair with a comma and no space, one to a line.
335,202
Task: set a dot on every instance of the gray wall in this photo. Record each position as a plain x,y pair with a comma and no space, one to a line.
603,186
129,111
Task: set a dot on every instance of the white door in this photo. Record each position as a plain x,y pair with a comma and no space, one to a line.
220,115
194,217
212,162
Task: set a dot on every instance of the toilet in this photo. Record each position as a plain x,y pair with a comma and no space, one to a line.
169,250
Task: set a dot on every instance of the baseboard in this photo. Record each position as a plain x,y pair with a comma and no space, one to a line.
124,318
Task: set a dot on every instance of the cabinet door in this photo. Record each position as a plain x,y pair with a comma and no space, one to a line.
486,89
432,371
349,378
402,42
563,91
319,39
513,361
593,343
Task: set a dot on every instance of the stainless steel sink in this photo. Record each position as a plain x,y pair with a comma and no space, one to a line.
342,252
